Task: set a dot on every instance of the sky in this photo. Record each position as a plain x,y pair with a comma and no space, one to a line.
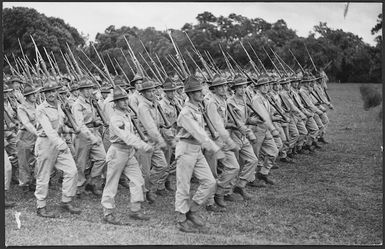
90,18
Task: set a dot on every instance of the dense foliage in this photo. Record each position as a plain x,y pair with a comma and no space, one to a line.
352,60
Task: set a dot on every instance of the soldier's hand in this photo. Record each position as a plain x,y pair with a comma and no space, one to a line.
148,148
62,147
220,155
275,133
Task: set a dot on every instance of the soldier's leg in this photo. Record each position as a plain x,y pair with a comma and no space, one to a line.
158,170
98,156
186,158
144,160
116,160
230,170
132,171
270,152
24,152
7,171
319,123
325,122
313,130
247,171
66,163
47,154
293,134
12,152
260,134
83,147
303,133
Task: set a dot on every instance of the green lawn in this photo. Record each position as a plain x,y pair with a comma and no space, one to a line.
333,197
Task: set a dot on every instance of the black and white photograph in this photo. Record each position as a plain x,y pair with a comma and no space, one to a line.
192,123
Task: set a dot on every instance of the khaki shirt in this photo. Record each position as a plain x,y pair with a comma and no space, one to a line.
305,93
216,110
192,126
135,99
149,116
26,114
122,130
84,114
50,122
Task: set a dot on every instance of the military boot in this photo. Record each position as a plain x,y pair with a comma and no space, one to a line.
138,215
220,201
187,226
111,219
67,206
322,140
151,197
243,192
194,218
42,212
257,184
316,145
169,186
265,178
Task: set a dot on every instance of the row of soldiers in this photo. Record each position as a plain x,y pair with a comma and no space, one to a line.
227,132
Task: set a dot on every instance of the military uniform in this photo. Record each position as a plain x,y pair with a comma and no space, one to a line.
191,162
26,139
150,118
216,110
52,151
89,141
121,160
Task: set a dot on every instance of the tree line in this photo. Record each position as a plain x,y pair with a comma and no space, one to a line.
348,57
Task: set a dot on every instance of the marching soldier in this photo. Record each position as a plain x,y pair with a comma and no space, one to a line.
190,160
89,146
297,128
12,123
216,109
26,138
52,151
150,118
280,122
135,98
311,125
121,160
242,135
171,110
265,148
304,92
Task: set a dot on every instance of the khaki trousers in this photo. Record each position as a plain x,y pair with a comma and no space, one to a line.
190,161
7,171
49,157
122,161
87,153
25,156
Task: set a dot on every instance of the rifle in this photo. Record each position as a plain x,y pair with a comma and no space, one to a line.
167,123
152,61
279,61
230,109
125,58
250,60
121,69
25,62
277,108
210,126
204,63
161,65
252,108
139,69
295,58
135,121
276,69
152,71
104,67
264,69
75,62
311,59
228,64
99,111
116,72
196,65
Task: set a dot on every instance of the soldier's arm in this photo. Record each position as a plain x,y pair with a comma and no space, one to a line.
48,130
149,125
23,118
188,123
117,127
77,112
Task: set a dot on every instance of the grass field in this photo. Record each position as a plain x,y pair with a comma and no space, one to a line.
333,197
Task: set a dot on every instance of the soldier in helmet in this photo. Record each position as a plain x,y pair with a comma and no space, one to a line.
150,118
89,146
171,109
121,160
190,161
265,148
217,111
26,138
52,151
